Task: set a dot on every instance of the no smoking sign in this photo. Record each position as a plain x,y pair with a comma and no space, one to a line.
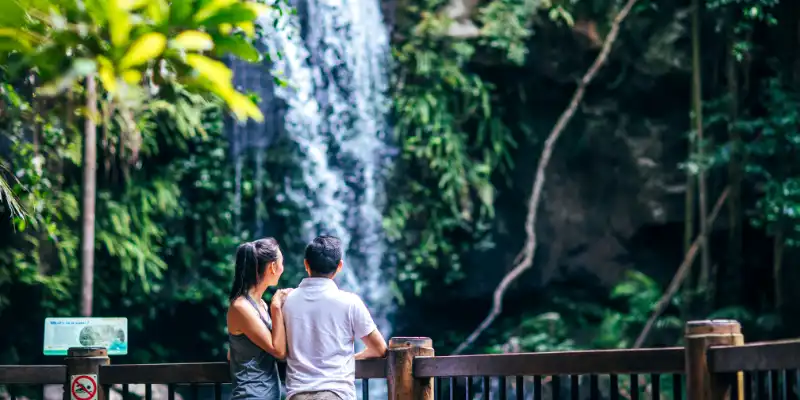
83,387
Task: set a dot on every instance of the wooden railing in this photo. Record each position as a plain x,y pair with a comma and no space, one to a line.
714,364
769,369
195,381
623,372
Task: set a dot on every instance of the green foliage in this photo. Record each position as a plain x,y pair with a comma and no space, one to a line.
49,209
771,137
7,195
163,234
9,96
747,15
542,332
638,294
755,324
506,26
132,47
775,139
455,141
122,41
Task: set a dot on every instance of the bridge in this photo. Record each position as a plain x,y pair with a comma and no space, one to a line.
714,364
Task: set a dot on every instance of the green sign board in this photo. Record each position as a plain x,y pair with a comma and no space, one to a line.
62,333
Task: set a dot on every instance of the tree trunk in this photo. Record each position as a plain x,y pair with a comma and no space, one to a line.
777,266
703,283
684,270
688,234
689,229
733,270
89,189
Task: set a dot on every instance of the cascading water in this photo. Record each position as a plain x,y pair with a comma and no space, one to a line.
335,108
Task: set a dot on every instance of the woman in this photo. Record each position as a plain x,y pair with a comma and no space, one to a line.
256,340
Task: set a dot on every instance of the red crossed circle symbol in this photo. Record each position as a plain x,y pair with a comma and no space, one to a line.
84,387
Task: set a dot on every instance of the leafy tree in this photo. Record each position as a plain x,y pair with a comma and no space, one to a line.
133,48
775,140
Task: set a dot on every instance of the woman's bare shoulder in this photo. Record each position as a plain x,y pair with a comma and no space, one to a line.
239,306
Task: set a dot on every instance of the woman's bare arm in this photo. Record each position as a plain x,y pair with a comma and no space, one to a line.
249,322
278,326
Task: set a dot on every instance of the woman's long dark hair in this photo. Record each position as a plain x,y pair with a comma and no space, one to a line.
251,263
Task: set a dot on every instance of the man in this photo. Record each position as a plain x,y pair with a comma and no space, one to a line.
322,324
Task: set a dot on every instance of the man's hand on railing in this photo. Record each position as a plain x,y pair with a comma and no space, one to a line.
376,346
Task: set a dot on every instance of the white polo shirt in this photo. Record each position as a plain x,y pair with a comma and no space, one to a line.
322,325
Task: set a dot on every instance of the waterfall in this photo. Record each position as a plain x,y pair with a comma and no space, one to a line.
334,57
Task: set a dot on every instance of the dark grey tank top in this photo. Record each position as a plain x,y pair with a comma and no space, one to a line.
254,372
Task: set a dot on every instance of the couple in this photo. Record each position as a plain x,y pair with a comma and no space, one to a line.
313,327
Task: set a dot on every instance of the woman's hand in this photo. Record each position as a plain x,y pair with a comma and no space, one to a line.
279,298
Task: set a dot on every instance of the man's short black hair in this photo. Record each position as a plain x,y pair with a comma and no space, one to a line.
324,254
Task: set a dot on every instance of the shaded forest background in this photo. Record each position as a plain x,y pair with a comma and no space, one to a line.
629,186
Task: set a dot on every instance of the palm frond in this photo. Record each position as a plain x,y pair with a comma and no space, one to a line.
7,196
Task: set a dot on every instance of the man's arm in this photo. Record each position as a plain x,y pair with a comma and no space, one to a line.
376,346
364,327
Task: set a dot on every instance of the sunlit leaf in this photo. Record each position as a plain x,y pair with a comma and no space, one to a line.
214,71
158,11
211,8
132,76
97,11
13,44
249,28
225,29
258,8
237,46
146,48
192,41
234,14
105,71
180,11
241,105
119,23
14,14
128,5
15,39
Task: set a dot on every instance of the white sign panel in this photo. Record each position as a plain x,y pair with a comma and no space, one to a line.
62,333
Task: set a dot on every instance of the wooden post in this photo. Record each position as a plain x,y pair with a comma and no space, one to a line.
402,384
701,384
83,367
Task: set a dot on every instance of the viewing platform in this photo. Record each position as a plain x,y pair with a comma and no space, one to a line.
714,364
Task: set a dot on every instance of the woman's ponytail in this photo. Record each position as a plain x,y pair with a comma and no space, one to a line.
244,270
251,262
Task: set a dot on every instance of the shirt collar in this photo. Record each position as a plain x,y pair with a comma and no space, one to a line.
318,283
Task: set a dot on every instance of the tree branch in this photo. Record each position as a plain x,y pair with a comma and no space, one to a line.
525,258
680,275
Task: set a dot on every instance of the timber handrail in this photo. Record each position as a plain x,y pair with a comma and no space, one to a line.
714,364
33,374
618,361
208,372
211,372
764,356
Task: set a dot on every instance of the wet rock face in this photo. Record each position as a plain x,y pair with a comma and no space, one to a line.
614,195
595,205
610,179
